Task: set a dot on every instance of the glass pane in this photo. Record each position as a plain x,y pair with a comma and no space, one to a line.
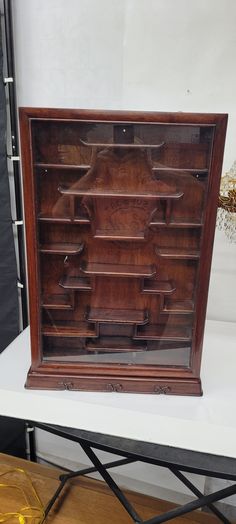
161,354
120,214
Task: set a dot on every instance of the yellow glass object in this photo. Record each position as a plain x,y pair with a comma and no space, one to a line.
28,512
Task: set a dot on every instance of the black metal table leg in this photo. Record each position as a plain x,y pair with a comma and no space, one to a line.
191,506
65,477
198,494
86,471
110,482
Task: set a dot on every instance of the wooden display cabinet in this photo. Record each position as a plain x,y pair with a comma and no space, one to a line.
120,211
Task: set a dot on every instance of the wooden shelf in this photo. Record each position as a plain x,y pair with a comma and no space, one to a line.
181,170
57,302
122,145
44,165
115,345
54,220
80,283
177,253
119,235
64,220
178,306
62,248
176,224
165,287
70,329
117,316
163,332
118,270
111,193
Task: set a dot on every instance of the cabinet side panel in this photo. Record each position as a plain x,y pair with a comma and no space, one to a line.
208,239
31,235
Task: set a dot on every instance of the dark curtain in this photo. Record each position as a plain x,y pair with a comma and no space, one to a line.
12,437
9,314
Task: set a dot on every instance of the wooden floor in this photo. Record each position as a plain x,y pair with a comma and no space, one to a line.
85,501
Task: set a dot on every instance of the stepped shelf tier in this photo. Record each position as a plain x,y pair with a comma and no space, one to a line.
117,316
59,248
183,170
176,223
57,302
74,282
115,344
163,332
69,329
177,252
64,219
121,145
119,235
178,306
117,193
58,166
118,270
165,287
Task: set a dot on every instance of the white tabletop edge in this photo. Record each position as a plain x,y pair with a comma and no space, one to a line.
205,424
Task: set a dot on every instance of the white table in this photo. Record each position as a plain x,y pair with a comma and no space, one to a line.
180,433
206,424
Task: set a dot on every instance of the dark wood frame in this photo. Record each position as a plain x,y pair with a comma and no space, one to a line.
43,375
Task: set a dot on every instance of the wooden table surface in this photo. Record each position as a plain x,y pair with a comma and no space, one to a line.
85,501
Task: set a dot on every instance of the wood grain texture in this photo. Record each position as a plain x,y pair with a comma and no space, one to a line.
87,500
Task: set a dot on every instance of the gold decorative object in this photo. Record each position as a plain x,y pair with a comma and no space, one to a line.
27,507
226,218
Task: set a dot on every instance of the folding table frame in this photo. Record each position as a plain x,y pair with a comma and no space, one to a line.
177,460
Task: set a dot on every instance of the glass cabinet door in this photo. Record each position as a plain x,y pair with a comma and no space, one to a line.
120,214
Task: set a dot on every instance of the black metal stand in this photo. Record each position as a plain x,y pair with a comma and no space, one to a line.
15,158
199,463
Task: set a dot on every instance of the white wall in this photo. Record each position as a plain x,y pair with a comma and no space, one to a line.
166,55
173,55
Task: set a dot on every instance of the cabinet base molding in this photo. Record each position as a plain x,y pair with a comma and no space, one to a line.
56,381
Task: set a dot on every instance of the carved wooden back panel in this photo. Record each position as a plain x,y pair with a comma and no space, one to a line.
120,216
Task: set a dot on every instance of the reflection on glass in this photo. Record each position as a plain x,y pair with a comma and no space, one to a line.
121,209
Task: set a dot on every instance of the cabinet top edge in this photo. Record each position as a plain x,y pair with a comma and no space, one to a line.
120,115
